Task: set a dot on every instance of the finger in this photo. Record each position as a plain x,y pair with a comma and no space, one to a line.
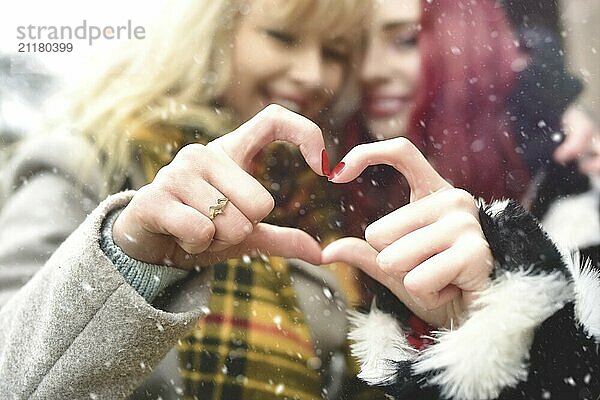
464,266
574,145
591,165
418,214
358,253
399,153
271,124
272,240
231,225
414,248
196,161
191,229
579,131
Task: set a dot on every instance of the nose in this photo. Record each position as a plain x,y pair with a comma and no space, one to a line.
375,66
307,66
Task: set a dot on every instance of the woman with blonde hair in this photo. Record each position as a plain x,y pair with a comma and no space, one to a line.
166,291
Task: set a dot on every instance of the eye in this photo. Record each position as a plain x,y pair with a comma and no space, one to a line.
335,54
404,40
282,37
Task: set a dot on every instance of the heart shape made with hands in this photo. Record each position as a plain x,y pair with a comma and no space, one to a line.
429,252
168,218
278,124
413,249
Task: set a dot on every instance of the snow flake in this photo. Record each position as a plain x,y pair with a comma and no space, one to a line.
279,388
570,380
546,394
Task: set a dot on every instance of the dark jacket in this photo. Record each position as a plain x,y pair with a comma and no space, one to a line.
533,333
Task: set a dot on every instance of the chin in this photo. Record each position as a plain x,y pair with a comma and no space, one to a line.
387,128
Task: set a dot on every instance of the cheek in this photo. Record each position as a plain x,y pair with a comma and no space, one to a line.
333,79
256,57
413,66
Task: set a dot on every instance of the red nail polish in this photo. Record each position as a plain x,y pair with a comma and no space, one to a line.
338,168
325,163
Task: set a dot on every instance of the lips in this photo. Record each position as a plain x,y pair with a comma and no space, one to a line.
292,103
386,106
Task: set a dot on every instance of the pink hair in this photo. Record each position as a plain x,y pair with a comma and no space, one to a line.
470,62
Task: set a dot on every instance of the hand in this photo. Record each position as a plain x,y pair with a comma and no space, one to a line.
582,142
431,253
167,221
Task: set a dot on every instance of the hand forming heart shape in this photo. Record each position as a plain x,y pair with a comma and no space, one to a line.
430,253
168,220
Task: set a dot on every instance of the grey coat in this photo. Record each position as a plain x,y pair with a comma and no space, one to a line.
71,326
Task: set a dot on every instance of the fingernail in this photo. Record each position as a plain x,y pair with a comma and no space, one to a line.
325,163
337,170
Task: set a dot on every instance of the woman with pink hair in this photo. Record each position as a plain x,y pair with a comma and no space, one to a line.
451,77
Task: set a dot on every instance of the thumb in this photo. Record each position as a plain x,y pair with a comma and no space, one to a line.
279,241
358,253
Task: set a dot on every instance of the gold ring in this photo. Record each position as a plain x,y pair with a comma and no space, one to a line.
217,209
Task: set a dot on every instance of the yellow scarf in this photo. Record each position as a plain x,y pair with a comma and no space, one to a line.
255,343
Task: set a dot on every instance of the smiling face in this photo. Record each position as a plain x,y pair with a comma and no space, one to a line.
299,68
391,69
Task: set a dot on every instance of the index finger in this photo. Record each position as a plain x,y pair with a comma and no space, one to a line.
271,124
575,143
399,153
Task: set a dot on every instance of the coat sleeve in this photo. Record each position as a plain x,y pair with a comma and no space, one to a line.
70,324
77,329
532,334
43,199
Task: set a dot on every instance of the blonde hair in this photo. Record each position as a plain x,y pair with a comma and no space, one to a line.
176,74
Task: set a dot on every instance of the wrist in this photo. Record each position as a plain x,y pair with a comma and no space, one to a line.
147,279
137,243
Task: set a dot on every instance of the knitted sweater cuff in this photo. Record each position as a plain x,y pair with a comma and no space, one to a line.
147,279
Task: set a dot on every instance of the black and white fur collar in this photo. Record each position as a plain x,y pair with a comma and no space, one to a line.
489,353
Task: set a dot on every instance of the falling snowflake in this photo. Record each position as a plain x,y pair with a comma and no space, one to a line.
279,388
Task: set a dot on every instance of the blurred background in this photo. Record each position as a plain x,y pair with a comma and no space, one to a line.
581,30
28,79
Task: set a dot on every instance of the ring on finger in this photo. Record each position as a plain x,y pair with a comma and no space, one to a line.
217,209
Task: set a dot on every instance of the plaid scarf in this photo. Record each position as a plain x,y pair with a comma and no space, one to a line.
255,343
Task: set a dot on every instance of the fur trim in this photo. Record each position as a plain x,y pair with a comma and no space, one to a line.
378,343
489,351
586,282
574,220
495,208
